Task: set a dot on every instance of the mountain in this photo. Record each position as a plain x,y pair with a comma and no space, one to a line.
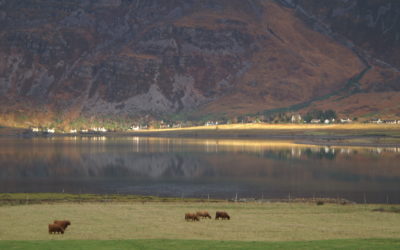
62,60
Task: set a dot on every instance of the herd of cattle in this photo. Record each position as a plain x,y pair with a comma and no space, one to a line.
59,226
204,214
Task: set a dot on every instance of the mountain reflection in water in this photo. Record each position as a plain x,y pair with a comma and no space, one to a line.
198,167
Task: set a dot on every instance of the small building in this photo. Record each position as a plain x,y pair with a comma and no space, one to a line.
35,130
50,130
73,131
347,120
326,121
376,121
135,128
315,121
211,123
295,118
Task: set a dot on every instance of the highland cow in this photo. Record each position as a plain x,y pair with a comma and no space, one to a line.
192,217
223,215
203,214
55,228
62,223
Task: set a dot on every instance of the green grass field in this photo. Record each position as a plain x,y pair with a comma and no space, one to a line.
198,244
161,225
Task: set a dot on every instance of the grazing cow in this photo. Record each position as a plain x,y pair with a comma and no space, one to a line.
192,217
62,223
222,214
203,214
55,228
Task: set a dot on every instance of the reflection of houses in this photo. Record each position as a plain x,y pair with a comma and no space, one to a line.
346,151
296,152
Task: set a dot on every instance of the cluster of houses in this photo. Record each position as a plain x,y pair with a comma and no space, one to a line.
72,131
295,118
211,123
138,127
298,119
379,121
46,130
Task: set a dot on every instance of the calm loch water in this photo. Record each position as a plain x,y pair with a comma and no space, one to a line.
216,168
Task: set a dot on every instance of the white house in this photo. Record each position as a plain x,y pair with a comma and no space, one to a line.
35,130
296,118
315,121
377,121
135,128
50,130
73,131
347,120
211,123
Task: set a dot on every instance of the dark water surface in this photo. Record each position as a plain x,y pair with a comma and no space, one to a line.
218,168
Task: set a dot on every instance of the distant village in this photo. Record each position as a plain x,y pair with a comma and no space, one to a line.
292,119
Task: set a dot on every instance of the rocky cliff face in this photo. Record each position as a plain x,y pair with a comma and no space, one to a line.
371,28
372,25
118,57
133,57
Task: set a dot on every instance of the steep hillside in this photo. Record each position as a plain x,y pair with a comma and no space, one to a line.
371,28
60,60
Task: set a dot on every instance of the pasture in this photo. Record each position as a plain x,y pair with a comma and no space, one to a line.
250,222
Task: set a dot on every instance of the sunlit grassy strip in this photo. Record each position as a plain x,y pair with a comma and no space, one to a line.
266,126
199,244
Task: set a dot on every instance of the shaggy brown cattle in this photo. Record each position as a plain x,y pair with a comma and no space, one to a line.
54,228
62,223
192,217
203,214
223,215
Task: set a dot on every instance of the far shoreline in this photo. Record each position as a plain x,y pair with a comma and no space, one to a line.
352,135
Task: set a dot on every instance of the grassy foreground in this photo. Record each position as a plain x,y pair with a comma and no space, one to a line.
165,220
199,244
